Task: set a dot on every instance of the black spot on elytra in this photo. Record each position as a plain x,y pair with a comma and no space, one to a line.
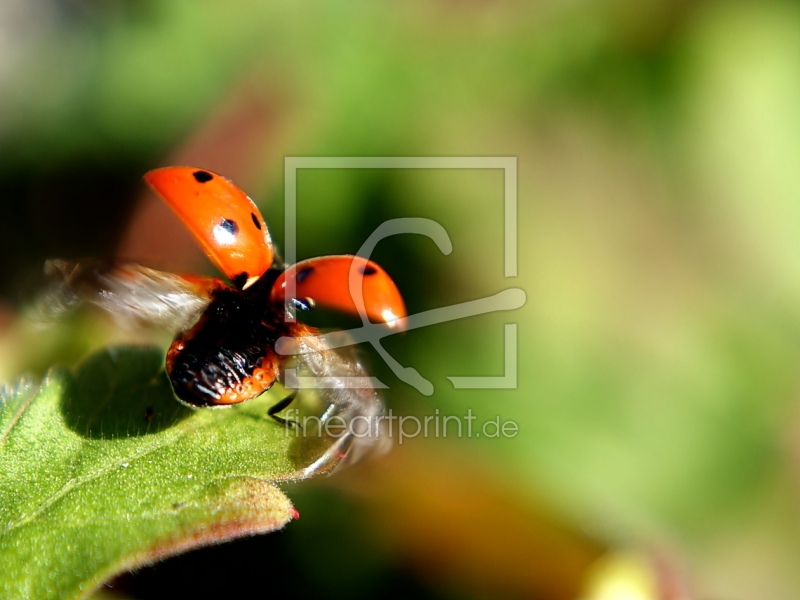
303,274
230,226
256,222
148,414
368,270
202,176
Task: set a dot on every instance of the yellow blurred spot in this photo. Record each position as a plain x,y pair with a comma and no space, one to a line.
621,577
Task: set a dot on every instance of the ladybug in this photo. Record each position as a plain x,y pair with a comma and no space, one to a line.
224,349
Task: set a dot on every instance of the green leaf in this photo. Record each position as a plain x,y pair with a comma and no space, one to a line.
103,470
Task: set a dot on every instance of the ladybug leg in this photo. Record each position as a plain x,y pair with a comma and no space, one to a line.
278,407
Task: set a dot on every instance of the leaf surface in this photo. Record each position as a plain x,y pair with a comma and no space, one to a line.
103,470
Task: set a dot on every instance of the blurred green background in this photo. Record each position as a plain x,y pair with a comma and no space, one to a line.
658,146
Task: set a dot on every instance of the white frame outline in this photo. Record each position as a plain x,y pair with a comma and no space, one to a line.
508,164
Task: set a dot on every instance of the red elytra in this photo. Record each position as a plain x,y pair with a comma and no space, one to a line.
328,280
222,218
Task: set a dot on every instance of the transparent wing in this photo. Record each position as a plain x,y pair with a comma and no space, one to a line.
134,295
350,421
